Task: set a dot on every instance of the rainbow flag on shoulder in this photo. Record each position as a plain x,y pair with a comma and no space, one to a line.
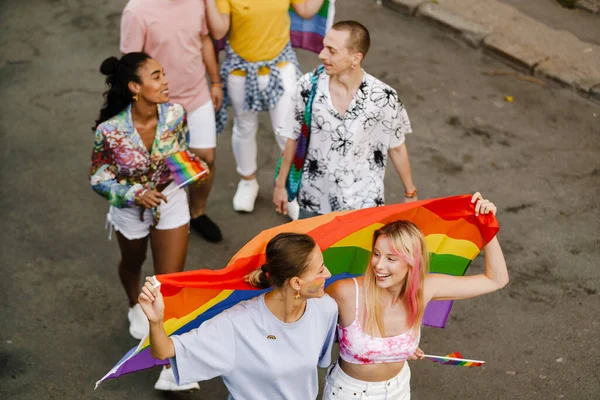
305,34
453,233
308,34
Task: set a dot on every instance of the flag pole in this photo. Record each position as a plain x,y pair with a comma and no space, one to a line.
453,359
193,178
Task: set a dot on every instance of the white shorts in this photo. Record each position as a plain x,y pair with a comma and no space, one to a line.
340,386
173,214
202,126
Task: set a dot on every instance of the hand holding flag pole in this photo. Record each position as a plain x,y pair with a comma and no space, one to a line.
184,169
190,180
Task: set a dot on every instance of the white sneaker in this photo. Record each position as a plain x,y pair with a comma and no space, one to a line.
293,209
245,196
138,323
166,381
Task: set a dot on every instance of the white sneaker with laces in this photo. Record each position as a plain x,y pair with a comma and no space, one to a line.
166,381
293,209
245,196
138,323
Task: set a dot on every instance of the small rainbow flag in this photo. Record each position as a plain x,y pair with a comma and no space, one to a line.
453,233
455,359
184,169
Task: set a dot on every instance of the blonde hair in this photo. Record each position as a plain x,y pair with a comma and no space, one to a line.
408,242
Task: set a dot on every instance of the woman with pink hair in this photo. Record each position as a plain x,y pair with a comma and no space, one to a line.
380,314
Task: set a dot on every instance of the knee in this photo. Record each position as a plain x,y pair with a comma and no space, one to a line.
244,130
206,155
210,160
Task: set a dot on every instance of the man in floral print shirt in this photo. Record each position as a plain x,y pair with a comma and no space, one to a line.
357,121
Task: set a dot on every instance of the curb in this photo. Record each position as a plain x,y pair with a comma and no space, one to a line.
469,31
588,5
523,43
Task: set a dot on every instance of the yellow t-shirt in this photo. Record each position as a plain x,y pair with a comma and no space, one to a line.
259,29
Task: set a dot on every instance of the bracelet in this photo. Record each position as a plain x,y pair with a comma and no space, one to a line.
217,83
410,195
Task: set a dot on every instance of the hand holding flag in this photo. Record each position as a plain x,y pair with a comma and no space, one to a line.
185,169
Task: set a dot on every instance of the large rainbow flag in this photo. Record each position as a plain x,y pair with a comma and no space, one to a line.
454,237
306,34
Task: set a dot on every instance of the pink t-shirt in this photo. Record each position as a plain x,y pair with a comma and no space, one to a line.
169,31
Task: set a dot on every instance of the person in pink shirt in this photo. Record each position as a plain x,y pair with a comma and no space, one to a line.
175,33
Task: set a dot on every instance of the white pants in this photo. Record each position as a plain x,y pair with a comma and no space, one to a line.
173,214
203,127
342,387
245,123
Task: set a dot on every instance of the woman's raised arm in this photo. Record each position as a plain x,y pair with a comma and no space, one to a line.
151,301
447,287
308,8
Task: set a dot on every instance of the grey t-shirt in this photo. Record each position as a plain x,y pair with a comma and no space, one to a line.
257,355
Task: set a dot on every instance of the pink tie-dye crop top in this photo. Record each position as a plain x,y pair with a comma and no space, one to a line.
357,347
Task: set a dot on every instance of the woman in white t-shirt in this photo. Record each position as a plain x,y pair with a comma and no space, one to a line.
264,348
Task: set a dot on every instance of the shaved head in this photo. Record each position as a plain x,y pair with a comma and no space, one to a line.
359,39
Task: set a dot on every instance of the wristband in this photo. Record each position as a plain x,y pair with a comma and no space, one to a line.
217,83
410,195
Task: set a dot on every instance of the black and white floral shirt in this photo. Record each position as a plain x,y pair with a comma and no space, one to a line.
345,164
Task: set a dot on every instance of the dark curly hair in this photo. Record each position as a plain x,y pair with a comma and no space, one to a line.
119,72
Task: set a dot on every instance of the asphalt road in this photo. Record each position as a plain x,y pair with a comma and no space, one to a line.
63,318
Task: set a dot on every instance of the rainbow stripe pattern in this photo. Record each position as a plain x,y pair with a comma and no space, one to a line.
451,359
309,34
183,167
305,34
454,237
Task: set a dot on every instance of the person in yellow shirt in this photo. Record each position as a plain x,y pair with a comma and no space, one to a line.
259,74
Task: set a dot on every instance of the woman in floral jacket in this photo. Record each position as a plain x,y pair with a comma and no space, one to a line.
137,129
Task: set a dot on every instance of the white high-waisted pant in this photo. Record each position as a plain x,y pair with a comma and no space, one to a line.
340,386
245,123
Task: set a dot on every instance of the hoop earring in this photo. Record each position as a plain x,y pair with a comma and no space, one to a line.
297,295
136,97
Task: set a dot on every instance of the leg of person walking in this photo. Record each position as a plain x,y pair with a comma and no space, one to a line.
243,142
282,115
203,143
169,251
282,120
133,255
169,238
